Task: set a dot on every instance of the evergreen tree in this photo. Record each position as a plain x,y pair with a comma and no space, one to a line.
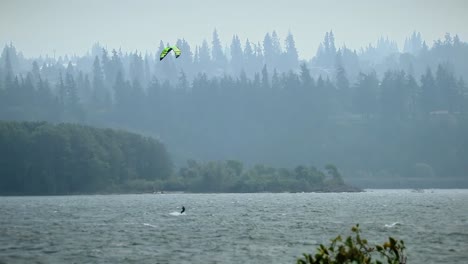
429,94
326,53
395,97
219,59
342,82
446,84
413,90
204,57
366,94
306,79
36,72
186,60
46,98
101,97
237,55
183,82
413,44
268,50
72,105
121,93
106,67
275,80
291,58
277,50
265,78
115,67
249,59
137,68
259,58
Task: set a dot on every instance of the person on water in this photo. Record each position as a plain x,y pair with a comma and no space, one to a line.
183,210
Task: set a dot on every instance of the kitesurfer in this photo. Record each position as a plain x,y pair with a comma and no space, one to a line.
183,210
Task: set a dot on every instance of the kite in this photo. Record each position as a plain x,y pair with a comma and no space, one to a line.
166,51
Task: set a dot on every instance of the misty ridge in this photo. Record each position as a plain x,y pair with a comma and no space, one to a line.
386,117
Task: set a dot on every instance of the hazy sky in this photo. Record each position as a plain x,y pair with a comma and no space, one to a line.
40,26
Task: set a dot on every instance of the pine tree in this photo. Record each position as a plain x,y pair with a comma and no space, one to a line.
447,86
204,57
413,90
101,97
275,80
106,67
73,109
291,60
307,81
249,59
182,82
429,94
237,55
219,59
36,72
137,68
365,95
115,67
277,51
342,82
268,50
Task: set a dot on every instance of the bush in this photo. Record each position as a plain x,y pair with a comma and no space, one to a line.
355,249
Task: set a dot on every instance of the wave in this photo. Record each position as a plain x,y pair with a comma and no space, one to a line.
176,213
150,225
393,225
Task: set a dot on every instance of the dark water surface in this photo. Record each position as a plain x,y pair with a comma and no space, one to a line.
227,228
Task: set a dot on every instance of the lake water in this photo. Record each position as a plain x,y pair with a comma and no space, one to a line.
227,228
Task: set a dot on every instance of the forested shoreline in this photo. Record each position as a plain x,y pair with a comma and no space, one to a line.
39,158
42,158
377,113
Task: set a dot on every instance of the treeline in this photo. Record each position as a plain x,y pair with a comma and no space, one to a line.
230,176
239,57
40,158
44,159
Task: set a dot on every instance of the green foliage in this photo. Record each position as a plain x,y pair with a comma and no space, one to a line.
333,172
229,176
41,158
355,249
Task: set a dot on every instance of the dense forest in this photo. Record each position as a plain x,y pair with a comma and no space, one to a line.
41,158
386,117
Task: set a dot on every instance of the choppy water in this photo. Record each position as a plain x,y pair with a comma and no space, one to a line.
227,228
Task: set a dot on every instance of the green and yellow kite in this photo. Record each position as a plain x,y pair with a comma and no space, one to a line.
166,51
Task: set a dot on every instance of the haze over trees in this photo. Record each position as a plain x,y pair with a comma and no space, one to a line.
378,113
